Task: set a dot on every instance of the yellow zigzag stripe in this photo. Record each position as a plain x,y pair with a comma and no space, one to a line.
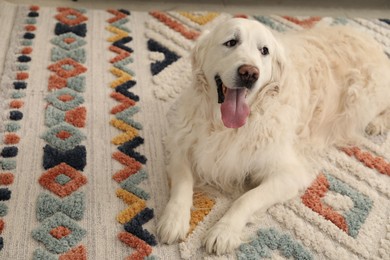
122,77
129,132
202,205
136,205
119,34
200,19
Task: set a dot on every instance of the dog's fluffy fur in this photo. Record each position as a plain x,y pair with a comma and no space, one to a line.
314,88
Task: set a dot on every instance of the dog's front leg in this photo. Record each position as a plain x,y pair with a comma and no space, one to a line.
281,185
174,223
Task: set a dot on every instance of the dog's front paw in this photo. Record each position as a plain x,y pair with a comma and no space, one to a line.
374,128
221,239
174,223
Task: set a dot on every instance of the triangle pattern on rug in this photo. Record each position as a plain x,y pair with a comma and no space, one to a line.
170,56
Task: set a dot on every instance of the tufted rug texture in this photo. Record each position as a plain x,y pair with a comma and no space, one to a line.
83,98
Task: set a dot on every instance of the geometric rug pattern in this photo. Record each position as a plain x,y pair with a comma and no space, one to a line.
84,97
59,233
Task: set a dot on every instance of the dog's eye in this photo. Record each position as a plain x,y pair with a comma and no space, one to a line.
230,43
264,51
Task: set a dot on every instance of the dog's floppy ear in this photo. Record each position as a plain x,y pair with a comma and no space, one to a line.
278,62
198,52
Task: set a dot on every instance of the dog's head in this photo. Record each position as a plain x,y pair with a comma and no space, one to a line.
238,58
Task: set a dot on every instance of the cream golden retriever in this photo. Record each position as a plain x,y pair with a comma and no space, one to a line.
256,101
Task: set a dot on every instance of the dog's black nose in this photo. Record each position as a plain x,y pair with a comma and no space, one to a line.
248,75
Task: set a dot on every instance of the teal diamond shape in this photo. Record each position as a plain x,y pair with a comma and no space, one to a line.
71,17
75,138
54,99
67,67
62,179
60,41
52,244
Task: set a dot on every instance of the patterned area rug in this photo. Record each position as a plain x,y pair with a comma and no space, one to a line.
84,94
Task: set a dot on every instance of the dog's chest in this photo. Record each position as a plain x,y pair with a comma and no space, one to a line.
223,157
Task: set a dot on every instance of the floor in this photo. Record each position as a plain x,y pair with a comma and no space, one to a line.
350,8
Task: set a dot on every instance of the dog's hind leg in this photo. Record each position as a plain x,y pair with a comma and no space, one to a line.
379,124
174,223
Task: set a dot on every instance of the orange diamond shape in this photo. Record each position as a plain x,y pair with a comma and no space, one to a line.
67,68
48,180
60,232
71,17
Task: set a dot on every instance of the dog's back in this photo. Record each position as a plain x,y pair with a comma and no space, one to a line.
347,77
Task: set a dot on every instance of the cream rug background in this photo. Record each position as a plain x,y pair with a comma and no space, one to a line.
74,183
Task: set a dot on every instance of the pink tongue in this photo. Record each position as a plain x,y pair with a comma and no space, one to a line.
234,109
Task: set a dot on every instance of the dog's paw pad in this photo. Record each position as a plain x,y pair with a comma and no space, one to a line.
222,239
173,224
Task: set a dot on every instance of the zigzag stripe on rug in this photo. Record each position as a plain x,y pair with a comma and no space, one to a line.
137,213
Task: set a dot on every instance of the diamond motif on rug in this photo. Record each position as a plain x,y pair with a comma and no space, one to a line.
63,136
59,233
71,17
62,180
68,41
65,99
67,68
351,220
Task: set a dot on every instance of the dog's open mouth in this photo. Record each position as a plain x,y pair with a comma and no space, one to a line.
234,108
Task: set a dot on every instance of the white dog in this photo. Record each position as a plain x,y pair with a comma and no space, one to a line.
256,101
